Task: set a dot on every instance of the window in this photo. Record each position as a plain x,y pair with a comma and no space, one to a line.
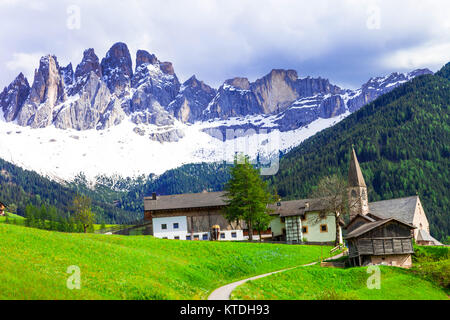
205,236
222,235
196,237
164,237
234,235
188,237
177,238
164,226
305,229
323,228
175,225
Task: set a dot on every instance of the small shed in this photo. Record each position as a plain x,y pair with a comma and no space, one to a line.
385,242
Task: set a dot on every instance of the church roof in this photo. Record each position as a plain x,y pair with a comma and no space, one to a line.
402,209
355,177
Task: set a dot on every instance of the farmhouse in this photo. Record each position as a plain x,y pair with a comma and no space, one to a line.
304,221
2,209
196,216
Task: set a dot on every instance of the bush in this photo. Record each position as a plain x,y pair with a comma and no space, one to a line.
437,272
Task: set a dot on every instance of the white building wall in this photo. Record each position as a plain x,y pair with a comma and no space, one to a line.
182,232
420,220
227,235
170,232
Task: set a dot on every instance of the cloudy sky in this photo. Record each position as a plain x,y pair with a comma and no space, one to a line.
347,41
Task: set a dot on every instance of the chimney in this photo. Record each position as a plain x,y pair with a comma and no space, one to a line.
307,205
154,196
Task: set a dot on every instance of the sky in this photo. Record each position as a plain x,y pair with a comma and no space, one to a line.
346,41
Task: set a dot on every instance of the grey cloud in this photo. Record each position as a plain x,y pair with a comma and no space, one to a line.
217,40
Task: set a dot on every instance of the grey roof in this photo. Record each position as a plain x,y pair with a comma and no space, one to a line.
425,236
402,209
355,176
298,207
372,225
184,201
214,199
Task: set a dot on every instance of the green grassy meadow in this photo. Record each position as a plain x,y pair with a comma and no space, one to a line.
427,280
19,220
13,218
34,264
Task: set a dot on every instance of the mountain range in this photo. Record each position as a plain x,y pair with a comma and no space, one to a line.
106,109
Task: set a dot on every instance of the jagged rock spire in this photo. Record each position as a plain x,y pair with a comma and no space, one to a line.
355,177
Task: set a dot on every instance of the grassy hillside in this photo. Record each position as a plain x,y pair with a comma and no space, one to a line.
316,283
12,218
402,140
34,264
429,279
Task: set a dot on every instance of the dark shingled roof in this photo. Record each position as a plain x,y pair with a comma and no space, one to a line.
214,199
184,201
402,209
355,177
372,225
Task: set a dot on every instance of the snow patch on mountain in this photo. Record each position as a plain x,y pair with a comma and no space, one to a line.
126,150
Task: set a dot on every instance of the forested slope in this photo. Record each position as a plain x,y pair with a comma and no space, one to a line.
403,144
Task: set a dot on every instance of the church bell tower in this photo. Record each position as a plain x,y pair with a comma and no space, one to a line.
359,201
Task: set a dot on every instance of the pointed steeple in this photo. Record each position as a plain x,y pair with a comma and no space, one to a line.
355,177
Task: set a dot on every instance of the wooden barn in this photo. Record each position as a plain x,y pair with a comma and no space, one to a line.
385,242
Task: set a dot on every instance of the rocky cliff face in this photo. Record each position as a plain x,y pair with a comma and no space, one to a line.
192,99
117,68
98,95
90,63
13,97
155,85
46,93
